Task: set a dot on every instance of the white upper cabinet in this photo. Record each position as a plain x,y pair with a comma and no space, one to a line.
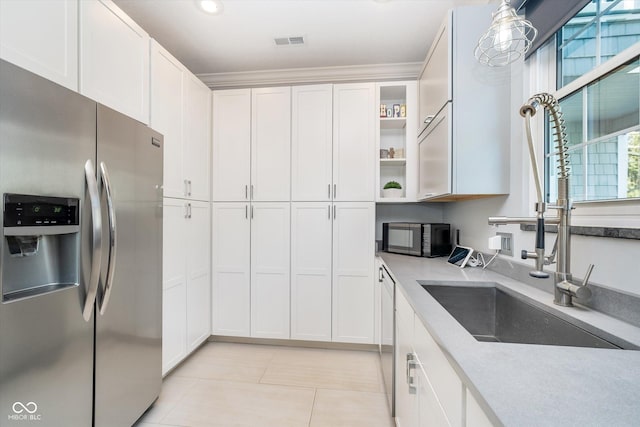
46,42
468,103
435,156
167,98
114,59
197,138
231,269
435,81
311,224
354,143
353,265
270,263
181,111
271,144
311,143
231,167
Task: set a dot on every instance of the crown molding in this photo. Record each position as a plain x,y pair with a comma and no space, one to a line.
342,74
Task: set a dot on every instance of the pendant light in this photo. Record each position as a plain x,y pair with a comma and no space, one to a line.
508,38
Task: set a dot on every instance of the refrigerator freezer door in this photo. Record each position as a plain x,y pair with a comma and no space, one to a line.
47,133
128,366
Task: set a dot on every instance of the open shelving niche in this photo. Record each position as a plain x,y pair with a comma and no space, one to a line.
399,133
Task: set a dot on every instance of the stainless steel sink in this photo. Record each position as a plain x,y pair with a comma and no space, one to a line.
490,314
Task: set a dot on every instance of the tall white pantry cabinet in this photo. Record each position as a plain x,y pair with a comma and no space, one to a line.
251,212
319,231
181,111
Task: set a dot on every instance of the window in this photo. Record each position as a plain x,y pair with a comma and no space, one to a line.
597,33
600,102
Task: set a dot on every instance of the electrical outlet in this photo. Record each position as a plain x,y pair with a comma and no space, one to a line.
507,243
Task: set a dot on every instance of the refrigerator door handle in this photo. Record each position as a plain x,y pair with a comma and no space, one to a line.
96,239
111,259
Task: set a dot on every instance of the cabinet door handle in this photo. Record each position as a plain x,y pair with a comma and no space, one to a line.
334,212
246,192
189,210
251,191
380,274
190,189
328,191
335,190
329,212
251,212
186,210
246,212
186,187
411,364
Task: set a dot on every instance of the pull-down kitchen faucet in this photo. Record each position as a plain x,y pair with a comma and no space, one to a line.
564,288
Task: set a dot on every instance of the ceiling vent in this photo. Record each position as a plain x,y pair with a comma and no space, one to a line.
296,40
289,41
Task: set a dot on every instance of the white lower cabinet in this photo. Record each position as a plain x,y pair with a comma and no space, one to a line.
231,269
430,412
270,232
440,374
475,415
186,301
311,225
198,230
174,326
300,270
250,265
429,392
405,396
417,402
174,284
332,264
353,299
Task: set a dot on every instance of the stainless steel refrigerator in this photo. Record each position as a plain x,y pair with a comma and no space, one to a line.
80,258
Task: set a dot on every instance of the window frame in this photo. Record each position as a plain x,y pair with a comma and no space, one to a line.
623,213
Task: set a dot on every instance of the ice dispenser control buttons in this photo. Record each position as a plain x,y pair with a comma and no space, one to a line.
22,210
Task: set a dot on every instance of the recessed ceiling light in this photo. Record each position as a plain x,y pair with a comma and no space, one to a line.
213,7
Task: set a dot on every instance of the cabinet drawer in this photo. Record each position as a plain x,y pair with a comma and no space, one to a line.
444,380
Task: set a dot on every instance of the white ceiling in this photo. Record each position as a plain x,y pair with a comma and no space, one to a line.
337,32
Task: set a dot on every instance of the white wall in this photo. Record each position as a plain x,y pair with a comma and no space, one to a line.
617,261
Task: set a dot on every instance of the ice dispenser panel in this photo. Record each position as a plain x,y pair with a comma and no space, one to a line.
41,245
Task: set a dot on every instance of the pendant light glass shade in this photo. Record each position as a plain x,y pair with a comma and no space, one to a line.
508,38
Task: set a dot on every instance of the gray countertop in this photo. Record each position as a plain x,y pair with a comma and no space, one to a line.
524,384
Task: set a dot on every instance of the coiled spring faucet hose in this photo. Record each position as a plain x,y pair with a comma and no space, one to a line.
527,111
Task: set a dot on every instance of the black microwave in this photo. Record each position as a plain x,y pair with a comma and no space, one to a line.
409,238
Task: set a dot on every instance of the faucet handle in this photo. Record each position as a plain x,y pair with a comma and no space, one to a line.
581,291
585,281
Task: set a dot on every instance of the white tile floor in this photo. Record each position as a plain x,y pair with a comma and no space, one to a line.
226,384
